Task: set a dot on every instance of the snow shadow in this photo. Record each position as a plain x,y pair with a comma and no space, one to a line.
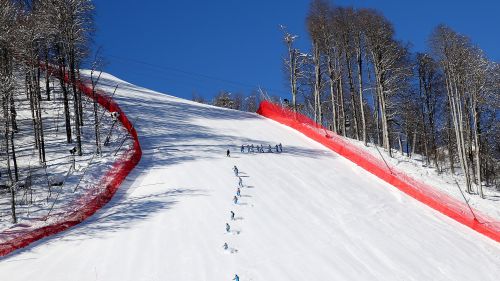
121,213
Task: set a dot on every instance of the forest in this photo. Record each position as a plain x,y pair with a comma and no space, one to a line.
46,123
361,82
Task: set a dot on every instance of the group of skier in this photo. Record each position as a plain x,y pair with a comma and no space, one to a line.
232,214
260,148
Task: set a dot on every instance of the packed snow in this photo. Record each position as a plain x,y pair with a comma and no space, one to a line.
304,214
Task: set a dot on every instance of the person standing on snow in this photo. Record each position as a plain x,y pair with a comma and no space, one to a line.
232,215
228,227
235,199
242,148
235,169
238,192
240,182
277,149
269,149
236,277
225,246
281,147
228,153
261,148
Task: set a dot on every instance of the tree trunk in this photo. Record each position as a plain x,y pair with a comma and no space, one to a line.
67,115
75,104
332,93
360,89
477,143
317,84
351,92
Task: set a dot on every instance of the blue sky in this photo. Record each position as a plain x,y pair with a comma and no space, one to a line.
184,47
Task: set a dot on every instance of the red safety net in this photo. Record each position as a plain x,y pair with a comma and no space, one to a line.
424,193
92,201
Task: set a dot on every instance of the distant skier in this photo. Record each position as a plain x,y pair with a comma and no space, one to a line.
281,147
228,153
228,227
232,215
242,148
235,169
238,192
277,149
261,148
248,148
235,199
240,182
269,149
252,148
225,246
236,277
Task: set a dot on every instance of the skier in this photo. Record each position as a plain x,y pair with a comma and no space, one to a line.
238,192
251,148
232,215
261,148
248,148
228,153
225,246
236,277
242,148
228,228
240,182
277,149
235,200
281,147
235,169
269,149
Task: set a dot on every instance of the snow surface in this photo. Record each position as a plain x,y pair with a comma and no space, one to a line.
445,181
304,214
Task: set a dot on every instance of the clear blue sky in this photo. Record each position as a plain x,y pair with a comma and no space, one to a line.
183,47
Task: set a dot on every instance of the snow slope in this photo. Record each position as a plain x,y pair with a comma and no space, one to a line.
304,214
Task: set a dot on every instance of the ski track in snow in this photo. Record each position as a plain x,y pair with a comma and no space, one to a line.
304,214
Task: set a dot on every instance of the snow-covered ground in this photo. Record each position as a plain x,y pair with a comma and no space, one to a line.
445,181
41,198
304,214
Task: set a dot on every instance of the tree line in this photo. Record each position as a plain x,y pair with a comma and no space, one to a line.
37,36
237,101
362,82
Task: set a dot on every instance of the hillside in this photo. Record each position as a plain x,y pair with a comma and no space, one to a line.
304,214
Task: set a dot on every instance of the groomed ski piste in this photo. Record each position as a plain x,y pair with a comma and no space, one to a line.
304,214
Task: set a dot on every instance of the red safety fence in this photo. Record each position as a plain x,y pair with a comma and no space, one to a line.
424,193
93,200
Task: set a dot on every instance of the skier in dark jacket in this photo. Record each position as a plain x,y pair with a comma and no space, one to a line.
232,215
235,199
228,153
235,169
236,277
228,227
